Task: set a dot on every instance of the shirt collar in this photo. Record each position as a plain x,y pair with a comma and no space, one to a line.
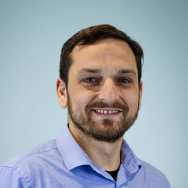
72,154
129,160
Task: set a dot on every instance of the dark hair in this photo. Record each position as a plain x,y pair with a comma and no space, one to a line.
92,35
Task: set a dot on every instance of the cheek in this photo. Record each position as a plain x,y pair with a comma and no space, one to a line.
132,100
79,100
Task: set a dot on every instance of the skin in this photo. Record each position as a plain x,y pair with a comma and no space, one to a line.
105,71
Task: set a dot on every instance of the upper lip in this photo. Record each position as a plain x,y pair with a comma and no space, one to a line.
108,109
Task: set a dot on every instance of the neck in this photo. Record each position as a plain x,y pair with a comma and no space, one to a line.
104,154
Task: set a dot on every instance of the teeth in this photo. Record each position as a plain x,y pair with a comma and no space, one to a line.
106,111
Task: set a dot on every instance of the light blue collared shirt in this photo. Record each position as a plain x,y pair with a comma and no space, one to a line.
62,163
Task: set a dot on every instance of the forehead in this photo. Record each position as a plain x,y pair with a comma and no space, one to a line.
107,55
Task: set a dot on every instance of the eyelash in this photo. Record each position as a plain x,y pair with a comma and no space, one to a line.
91,80
122,80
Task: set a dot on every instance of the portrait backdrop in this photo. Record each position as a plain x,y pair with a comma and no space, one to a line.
31,36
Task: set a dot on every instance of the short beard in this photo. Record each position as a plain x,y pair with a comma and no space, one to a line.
109,132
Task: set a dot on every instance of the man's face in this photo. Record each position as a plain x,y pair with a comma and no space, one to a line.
103,93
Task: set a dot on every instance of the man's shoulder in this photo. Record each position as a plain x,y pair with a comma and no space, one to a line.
22,169
153,175
33,158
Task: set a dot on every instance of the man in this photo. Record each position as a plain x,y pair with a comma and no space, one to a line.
100,84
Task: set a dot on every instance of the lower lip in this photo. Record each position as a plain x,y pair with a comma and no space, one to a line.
103,116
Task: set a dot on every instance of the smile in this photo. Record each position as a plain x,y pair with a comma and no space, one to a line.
107,111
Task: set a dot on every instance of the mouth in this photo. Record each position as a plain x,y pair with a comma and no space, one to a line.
107,111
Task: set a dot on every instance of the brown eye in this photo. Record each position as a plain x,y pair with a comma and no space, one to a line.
124,81
91,80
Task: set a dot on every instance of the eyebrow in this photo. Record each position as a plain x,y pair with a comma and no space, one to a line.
126,71
89,70
95,71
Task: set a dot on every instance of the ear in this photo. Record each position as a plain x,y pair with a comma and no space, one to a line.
61,93
141,89
141,86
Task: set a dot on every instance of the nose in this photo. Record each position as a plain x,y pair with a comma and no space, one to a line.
108,92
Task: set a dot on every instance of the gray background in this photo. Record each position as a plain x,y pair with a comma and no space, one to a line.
31,36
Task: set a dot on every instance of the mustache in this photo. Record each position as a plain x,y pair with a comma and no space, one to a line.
101,104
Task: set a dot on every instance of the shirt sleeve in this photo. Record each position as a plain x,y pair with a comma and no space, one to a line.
13,177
